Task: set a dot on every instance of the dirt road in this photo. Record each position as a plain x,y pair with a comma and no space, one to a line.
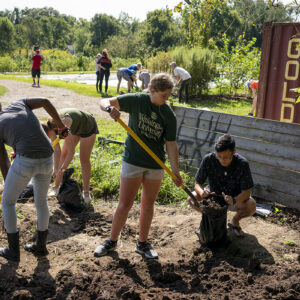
264,264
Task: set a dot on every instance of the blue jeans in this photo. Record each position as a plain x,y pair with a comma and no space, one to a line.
19,174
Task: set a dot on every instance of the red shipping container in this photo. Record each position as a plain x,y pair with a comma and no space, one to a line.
279,73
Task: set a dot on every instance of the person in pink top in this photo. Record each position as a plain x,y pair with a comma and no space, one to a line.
36,67
144,76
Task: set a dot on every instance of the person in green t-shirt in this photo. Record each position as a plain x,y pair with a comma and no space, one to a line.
83,128
153,120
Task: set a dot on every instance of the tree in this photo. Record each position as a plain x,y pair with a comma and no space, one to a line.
102,26
160,30
6,35
82,36
30,31
255,13
197,18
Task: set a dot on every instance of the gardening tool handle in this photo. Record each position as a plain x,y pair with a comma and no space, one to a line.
154,156
55,142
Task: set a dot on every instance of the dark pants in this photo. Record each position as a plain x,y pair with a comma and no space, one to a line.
184,86
103,73
98,80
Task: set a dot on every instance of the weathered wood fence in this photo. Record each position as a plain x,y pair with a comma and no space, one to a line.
271,147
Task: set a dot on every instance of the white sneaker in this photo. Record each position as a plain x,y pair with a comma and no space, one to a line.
53,192
86,197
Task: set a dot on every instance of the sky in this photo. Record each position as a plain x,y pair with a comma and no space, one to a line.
88,8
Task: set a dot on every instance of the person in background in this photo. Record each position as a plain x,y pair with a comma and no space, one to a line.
36,67
105,65
128,75
253,86
97,70
21,130
135,68
229,175
183,77
144,76
83,129
153,120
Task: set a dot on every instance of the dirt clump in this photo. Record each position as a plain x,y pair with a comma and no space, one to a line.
252,267
215,202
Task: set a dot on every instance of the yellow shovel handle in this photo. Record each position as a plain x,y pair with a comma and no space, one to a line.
55,142
154,156
146,148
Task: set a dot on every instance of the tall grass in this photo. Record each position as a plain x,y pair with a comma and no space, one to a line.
56,60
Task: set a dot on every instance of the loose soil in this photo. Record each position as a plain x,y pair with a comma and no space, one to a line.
265,264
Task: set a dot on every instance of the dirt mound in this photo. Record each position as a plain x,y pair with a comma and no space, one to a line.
246,268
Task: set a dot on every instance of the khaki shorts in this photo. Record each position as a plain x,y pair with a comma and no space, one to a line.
132,171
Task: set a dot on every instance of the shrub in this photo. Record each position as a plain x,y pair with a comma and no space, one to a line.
7,64
200,63
237,65
159,63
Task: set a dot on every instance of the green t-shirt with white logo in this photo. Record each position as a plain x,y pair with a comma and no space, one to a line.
153,124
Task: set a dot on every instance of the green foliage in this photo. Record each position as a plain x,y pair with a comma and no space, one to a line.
56,60
7,64
7,32
124,46
118,62
290,243
19,214
254,14
200,63
102,26
160,62
297,90
237,65
161,31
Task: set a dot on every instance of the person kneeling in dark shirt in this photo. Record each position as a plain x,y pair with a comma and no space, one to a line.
228,174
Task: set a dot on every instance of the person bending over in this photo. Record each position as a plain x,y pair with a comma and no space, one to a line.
128,75
21,130
83,129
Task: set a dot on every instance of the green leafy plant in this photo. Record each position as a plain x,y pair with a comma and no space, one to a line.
290,243
20,214
236,65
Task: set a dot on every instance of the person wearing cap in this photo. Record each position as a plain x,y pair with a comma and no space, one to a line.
128,75
135,68
183,77
36,67
253,86
97,69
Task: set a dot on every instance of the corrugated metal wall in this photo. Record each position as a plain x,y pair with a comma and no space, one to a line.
279,73
271,147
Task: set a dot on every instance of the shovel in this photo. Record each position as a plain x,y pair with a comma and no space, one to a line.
155,157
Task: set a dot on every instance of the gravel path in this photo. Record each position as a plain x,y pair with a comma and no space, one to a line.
61,98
